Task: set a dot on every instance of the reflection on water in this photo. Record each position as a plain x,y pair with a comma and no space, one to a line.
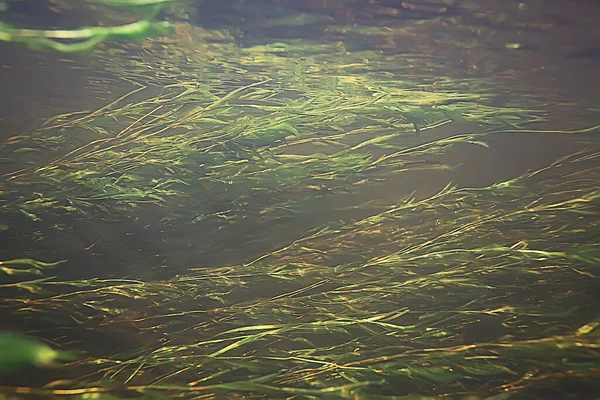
321,199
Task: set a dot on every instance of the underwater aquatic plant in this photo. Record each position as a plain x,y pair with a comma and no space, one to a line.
86,38
17,351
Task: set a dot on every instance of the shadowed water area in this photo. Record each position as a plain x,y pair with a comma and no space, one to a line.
317,199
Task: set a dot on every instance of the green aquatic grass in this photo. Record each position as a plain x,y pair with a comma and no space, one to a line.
19,351
85,39
472,302
467,293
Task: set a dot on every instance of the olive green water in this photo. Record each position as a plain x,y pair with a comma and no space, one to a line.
328,200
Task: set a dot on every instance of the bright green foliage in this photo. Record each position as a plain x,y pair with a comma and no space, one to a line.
18,351
86,38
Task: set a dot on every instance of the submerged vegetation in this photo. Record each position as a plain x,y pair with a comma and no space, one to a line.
469,292
84,39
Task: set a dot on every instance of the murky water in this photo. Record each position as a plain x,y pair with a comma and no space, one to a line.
296,268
